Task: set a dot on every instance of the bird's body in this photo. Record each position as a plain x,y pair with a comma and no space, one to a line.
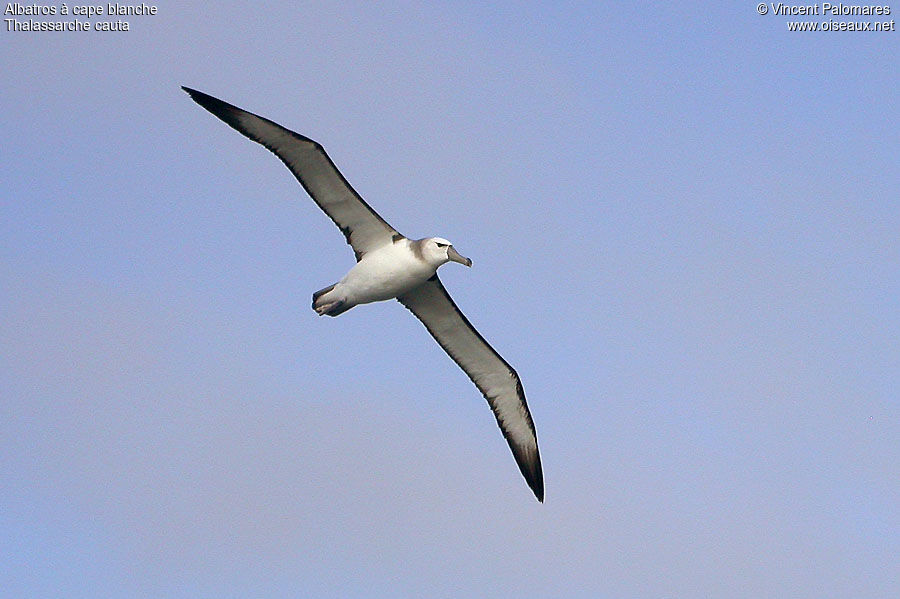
388,266
382,274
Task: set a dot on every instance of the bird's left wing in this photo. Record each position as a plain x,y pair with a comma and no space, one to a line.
493,376
364,229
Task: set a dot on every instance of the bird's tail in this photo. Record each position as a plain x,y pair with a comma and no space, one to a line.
331,306
320,293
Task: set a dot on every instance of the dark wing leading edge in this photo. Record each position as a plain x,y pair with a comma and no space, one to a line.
363,228
493,376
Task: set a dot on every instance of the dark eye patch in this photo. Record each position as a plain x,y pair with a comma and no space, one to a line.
441,245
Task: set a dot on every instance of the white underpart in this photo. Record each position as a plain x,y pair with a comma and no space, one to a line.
384,274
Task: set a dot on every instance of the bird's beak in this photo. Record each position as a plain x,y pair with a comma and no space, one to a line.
454,256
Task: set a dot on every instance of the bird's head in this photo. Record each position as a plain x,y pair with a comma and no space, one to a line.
438,250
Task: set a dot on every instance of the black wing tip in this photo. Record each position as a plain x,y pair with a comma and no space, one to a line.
529,462
535,478
214,105
197,96
231,113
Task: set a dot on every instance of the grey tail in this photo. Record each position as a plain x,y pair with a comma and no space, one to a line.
320,293
338,308
323,306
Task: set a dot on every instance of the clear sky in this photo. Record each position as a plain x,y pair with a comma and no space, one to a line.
684,224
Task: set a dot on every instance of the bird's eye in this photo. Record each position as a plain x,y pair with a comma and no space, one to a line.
441,245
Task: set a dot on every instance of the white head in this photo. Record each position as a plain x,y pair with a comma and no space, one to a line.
437,251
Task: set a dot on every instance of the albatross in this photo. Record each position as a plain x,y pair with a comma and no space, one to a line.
390,265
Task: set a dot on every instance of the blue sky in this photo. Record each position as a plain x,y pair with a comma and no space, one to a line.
683,220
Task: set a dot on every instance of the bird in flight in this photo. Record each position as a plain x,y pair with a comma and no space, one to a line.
389,265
